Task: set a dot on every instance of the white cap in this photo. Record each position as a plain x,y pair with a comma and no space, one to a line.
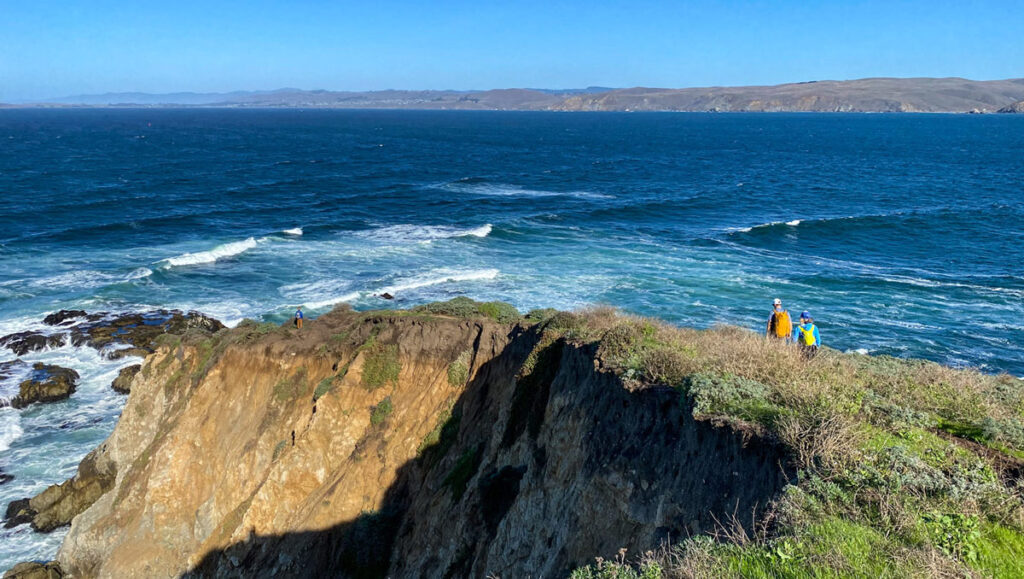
777,302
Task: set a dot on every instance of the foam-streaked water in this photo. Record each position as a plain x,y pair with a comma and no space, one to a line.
902,234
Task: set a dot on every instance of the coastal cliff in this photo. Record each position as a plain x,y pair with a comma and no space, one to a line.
462,440
420,444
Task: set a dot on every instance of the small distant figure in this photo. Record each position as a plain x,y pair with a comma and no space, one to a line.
809,339
298,317
779,324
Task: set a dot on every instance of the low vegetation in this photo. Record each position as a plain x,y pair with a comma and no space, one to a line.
381,365
905,467
463,307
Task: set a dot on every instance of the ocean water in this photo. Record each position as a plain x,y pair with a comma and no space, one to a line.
902,234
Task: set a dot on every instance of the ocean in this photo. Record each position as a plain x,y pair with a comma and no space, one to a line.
901,234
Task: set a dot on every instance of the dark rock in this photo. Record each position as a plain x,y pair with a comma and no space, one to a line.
47,384
5,478
123,383
387,296
125,352
7,369
139,330
22,343
18,512
35,570
63,317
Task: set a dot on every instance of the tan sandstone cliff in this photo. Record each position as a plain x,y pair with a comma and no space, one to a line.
404,445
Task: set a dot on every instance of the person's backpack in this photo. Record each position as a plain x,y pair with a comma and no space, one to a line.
807,336
782,324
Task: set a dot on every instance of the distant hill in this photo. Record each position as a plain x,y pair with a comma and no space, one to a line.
863,95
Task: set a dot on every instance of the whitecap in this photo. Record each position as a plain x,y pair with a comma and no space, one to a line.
794,223
439,277
506,190
221,251
431,278
423,233
10,427
297,231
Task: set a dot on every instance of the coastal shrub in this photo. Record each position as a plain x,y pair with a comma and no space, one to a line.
464,470
458,371
380,366
730,395
381,412
539,316
463,307
439,441
324,387
955,534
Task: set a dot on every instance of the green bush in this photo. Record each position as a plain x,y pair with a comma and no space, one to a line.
380,366
954,534
463,307
381,412
730,395
324,387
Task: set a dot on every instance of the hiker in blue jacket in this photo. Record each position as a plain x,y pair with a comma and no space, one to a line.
807,335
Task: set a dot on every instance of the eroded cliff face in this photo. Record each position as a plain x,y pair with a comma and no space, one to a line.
401,445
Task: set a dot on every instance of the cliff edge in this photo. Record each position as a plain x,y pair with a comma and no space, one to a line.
465,440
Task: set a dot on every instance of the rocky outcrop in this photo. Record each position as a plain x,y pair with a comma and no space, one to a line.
5,478
56,506
123,383
22,343
64,317
35,570
117,335
401,445
1017,107
48,383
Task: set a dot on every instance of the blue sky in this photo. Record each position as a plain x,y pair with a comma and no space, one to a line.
53,48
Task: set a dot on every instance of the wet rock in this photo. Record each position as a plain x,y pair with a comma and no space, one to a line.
18,512
387,296
63,317
7,369
5,478
22,343
35,570
58,504
137,330
48,384
123,383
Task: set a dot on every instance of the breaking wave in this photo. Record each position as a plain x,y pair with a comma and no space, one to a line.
210,256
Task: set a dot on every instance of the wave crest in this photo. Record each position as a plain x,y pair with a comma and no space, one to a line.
423,233
220,252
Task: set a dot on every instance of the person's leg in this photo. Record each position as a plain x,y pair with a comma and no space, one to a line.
299,323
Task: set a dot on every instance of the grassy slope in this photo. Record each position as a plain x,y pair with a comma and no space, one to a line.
906,468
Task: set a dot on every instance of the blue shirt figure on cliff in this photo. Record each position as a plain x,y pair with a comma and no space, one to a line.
808,338
298,317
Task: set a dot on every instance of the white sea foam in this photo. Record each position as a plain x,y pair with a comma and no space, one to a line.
432,278
439,277
297,231
423,233
212,255
506,190
10,427
793,223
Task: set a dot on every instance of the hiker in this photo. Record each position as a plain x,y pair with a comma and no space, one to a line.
779,324
298,318
809,340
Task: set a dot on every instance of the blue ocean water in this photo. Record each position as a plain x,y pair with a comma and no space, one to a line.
902,234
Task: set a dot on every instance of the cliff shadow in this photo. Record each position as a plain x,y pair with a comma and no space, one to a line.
536,471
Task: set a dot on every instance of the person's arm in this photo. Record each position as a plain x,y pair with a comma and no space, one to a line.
817,336
768,328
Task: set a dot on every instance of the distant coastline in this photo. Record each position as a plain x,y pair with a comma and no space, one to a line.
934,95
